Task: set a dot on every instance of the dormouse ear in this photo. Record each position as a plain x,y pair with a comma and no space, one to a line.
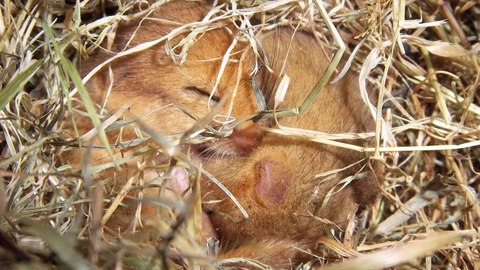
273,181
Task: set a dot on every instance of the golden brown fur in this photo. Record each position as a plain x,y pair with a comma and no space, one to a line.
276,183
273,179
156,88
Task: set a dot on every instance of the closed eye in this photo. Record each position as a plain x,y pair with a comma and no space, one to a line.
202,92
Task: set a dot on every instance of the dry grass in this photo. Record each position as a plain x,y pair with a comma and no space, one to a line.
421,56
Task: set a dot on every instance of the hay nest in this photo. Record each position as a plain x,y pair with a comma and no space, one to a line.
421,56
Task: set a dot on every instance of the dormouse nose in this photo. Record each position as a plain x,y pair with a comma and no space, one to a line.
247,137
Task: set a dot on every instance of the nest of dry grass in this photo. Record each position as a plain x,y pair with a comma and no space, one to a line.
421,56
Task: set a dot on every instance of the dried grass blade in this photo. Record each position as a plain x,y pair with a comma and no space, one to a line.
401,254
17,83
24,152
58,243
82,91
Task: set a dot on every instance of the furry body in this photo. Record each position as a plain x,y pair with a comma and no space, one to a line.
272,176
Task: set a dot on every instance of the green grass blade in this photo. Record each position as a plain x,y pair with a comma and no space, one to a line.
72,72
17,83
